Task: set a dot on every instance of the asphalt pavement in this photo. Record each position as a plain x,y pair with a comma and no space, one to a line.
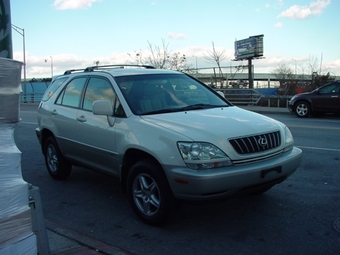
64,241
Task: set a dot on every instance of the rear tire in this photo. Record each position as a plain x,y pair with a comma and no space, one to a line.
302,109
149,193
57,166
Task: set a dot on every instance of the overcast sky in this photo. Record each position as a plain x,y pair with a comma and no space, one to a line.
77,33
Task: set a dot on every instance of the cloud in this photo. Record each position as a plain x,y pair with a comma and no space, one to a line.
304,12
279,24
176,36
73,4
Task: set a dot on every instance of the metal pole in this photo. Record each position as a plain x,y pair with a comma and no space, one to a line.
51,66
21,31
250,74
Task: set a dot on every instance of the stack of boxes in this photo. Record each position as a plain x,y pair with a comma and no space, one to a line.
16,236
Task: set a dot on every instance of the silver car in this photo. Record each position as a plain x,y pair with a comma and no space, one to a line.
167,136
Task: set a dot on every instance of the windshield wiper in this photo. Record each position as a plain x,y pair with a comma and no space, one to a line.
185,108
200,106
162,111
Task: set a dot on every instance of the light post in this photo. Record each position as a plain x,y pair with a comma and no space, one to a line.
21,31
51,66
196,63
295,66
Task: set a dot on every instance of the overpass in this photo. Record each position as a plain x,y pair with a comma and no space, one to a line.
239,78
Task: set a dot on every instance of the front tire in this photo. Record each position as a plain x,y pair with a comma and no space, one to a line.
149,193
302,109
58,167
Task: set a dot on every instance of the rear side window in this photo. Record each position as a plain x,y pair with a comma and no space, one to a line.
71,95
52,88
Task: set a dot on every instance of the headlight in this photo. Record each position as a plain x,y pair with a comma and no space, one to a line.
289,140
203,155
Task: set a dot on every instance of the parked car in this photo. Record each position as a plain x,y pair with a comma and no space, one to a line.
167,136
325,99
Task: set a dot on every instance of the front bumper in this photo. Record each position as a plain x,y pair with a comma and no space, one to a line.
38,133
290,107
222,182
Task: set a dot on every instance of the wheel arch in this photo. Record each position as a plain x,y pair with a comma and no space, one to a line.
46,133
131,157
307,100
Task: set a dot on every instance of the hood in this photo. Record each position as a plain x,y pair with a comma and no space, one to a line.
212,125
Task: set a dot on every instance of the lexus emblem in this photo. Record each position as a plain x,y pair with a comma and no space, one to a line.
262,141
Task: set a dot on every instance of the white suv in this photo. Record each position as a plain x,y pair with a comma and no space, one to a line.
164,134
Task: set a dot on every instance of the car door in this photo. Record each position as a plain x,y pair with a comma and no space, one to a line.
96,138
327,98
63,115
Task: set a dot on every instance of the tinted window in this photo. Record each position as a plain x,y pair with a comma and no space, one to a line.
330,89
97,89
53,87
72,93
165,92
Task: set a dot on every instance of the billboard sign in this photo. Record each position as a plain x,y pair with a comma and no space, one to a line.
249,48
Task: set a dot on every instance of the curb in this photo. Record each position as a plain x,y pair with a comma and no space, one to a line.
76,243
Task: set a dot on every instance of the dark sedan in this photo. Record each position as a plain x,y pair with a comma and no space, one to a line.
325,99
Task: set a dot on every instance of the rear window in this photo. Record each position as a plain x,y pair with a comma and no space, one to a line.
53,87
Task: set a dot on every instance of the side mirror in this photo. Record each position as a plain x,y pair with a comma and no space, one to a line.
102,107
221,93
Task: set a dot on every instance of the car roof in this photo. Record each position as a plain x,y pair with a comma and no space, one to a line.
120,70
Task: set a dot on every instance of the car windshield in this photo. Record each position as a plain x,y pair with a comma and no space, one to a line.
164,93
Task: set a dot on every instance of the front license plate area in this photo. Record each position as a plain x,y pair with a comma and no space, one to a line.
277,169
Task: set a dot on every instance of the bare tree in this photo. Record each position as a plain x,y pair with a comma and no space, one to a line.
283,72
177,61
216,57
137,58
285,76
161,57
313,64
158,55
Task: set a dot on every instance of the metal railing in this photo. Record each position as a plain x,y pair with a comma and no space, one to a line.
235,96
253,97
242,96
276,100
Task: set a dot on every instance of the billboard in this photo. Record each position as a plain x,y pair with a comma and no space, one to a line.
251,47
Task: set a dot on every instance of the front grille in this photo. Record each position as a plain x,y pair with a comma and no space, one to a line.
256,143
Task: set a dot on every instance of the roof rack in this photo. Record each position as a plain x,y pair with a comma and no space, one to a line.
73,70
92,68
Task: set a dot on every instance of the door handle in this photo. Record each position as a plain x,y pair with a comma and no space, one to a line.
81,118
334,96
54,112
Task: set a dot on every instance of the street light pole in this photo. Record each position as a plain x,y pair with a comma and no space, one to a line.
295,66
196,63
21,31
51,66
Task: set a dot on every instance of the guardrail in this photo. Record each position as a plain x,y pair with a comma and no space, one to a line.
276,100
242,96
32,91
31,97
235,96
253,97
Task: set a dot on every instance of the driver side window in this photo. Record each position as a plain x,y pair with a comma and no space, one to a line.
330,89
97,89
